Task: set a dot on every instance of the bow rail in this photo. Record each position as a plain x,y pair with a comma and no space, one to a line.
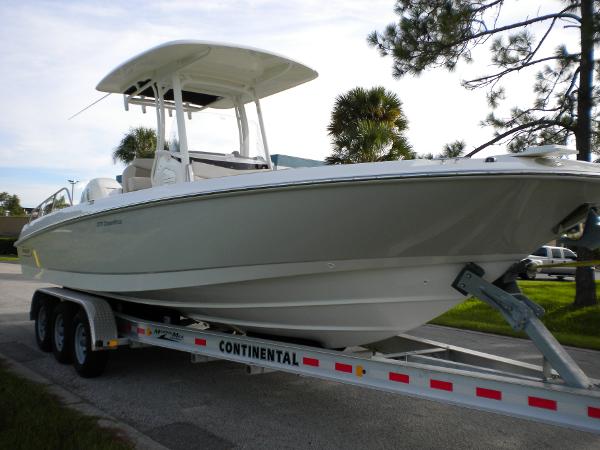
50,204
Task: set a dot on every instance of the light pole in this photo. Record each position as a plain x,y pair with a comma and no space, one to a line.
73,183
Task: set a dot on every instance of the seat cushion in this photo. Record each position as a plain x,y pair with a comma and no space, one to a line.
202,170
138,183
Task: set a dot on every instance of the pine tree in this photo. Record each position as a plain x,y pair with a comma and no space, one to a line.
440,33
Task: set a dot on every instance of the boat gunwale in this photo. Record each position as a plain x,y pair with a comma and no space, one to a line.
369,179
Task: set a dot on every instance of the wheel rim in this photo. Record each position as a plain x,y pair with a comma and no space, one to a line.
42,324
80,343
59,333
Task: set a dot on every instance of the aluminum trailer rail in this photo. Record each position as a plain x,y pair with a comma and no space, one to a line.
402,364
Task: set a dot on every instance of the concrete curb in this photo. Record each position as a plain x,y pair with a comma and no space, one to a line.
140,440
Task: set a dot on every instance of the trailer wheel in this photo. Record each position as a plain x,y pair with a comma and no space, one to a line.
62,334
43,326
87,363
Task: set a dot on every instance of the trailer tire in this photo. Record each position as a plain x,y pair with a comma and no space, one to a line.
87,363
43,326
62,334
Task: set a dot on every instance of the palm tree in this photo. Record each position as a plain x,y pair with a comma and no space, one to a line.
139,142
368,125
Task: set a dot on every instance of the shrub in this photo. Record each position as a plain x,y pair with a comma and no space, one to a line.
7,246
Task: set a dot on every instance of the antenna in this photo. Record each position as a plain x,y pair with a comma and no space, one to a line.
89,106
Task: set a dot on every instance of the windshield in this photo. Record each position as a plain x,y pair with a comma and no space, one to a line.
216,132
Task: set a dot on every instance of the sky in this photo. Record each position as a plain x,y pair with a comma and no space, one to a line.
53,54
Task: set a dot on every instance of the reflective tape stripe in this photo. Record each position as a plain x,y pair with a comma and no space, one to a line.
310,362
538,402
441,385
343,367
399,377
594,412
488,393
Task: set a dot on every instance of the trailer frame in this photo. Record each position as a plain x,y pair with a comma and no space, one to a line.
403,364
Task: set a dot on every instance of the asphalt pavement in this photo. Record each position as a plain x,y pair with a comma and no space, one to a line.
217,406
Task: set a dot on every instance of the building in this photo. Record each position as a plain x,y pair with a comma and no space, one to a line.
292,162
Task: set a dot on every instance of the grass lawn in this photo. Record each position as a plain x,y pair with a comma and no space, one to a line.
31,418
575,327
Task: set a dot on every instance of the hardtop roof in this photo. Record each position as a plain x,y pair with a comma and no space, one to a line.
212,72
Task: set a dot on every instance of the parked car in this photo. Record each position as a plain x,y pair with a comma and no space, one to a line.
550,255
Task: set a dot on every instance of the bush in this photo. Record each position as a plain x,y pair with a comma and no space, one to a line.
7,246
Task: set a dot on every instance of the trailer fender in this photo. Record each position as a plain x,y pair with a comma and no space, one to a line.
103,325
38,298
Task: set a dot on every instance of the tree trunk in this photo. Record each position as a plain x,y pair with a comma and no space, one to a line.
585,285
584,276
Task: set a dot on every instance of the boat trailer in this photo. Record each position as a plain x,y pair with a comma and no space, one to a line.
558,392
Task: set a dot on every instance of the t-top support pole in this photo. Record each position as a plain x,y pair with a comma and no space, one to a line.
242,119
160,116
183,147
262,130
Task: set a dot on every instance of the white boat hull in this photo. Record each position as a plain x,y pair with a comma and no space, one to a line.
334,309
339,263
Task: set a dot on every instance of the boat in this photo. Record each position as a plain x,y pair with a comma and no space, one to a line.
337,255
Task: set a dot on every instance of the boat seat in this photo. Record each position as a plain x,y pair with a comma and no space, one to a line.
136,175
138,183
202,171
